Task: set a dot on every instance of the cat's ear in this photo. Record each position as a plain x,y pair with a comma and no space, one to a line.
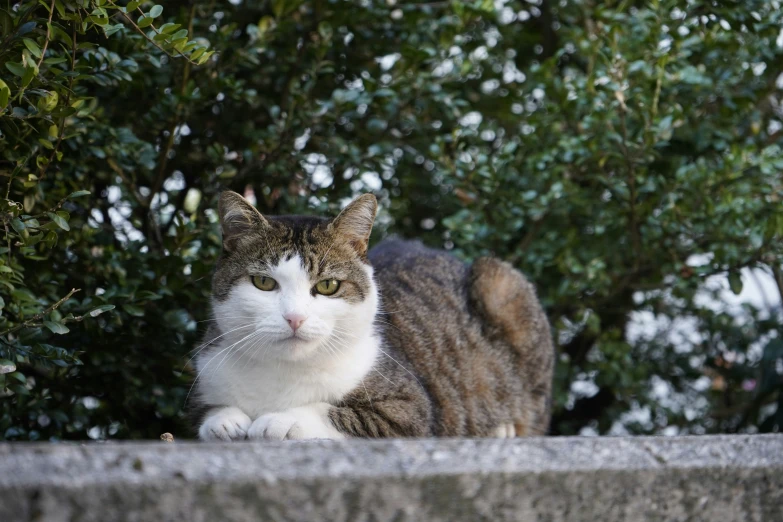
237,218
355,222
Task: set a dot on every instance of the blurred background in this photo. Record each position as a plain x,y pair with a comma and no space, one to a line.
625,155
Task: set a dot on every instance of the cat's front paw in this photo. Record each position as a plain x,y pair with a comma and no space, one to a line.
225,424
306,422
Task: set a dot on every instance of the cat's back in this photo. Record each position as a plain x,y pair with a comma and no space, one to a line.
475,335
408,268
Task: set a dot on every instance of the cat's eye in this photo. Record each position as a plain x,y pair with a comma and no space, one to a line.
264,283
327,286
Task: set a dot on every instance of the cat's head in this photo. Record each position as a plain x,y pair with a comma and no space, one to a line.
293,287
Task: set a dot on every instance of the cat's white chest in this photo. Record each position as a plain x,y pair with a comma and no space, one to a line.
260,387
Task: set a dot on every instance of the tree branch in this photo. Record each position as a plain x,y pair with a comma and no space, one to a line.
40,315
175,122
48,34
61,126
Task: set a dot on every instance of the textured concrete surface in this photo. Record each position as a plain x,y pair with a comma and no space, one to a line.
731,478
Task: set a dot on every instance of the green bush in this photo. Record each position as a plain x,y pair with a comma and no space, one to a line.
623,155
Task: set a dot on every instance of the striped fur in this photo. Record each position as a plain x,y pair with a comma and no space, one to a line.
462,350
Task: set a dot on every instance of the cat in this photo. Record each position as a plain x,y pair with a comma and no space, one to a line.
315,337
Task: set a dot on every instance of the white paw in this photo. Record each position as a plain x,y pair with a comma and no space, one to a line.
306,422
225,424
505,431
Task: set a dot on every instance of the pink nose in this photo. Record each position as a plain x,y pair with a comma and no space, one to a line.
294,320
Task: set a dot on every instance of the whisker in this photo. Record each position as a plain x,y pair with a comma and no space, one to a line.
222,318
387,323
342,341
368,396
332,347
341,329
401,366
382,375
250,348
329,350
323,258
247,340
201,347
210,362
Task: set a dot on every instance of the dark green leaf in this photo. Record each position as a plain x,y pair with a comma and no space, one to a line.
17,225
7,366
57,328
18,389
145,21
95,312
98,20
18,376
735,282
33,47
59,220
16,68
25,28
29,74
133,310
50,239
54,60
169,28
5,94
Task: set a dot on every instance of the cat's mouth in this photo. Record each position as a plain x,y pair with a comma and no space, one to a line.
297,337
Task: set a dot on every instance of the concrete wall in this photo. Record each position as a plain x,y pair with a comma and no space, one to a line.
736,478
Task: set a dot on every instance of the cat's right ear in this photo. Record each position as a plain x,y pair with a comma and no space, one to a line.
237,218
355,222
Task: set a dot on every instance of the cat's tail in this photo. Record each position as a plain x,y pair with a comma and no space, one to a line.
512,316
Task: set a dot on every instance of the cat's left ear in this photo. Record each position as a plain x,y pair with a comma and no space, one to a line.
238,218
355,222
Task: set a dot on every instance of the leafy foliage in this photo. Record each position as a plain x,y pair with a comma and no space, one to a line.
624,155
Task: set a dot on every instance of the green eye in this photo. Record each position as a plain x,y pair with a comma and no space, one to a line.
327,286
264,283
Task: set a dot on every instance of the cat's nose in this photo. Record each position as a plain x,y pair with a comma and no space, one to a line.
294,320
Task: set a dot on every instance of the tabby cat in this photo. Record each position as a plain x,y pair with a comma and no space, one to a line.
315,337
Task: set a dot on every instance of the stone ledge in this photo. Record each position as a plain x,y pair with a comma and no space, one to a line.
715,478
